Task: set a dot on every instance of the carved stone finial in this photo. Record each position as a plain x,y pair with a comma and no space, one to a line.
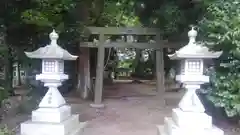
192,34
53,37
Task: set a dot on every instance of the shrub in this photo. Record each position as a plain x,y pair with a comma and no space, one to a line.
6,131
224,92
221,27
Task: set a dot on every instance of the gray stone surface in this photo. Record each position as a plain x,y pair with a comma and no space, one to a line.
10,106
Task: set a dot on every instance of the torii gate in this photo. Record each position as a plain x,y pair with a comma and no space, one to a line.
158,45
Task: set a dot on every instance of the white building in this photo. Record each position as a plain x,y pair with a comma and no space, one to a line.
15,81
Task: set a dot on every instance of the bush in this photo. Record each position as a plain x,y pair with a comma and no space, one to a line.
5,131
224,92
221,27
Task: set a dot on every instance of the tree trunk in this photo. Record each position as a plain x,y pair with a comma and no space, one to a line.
9,72
153,56
19,74
136,60
84,85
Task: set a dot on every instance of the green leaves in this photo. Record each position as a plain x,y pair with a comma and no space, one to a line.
221,24
170,16
221,27
119,14
6,131
225,92
48,13
35,17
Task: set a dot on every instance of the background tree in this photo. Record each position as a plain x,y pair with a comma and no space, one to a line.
221,31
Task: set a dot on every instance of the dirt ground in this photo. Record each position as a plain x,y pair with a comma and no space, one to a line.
133,112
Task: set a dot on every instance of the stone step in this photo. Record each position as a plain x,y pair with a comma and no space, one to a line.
43,128
185,119
160,130
172,129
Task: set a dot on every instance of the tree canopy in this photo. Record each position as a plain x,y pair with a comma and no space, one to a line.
221,30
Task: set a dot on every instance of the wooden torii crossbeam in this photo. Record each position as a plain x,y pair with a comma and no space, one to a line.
124,30
128,31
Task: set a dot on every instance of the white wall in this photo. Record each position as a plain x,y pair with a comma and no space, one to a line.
15,75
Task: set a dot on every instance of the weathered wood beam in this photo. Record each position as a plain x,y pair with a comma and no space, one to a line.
160,69
133,45
99,75
124,30
88,44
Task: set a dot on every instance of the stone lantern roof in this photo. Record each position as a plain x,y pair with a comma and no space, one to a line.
51,51
194,49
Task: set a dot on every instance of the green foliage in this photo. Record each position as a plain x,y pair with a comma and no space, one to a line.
60,15
125,63
48,12
118,13
221,29
169,18
221,25
3,93
5,131
225,92
137,66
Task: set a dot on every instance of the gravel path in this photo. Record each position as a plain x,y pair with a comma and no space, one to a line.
124,116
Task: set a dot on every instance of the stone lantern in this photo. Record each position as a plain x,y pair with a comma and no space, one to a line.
190,117
53,115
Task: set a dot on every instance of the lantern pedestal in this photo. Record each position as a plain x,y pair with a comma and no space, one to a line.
188,123
70,126
189,118
53,117
170,128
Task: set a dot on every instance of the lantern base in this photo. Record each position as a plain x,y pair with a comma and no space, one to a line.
71,126
188,123
53,121
183,119
192,79
51,78
97,105
172,129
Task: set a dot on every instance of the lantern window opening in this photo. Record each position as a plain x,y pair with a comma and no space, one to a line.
185,67
194,66
201,66
60,66
48,66
56,66
182,67
43,66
